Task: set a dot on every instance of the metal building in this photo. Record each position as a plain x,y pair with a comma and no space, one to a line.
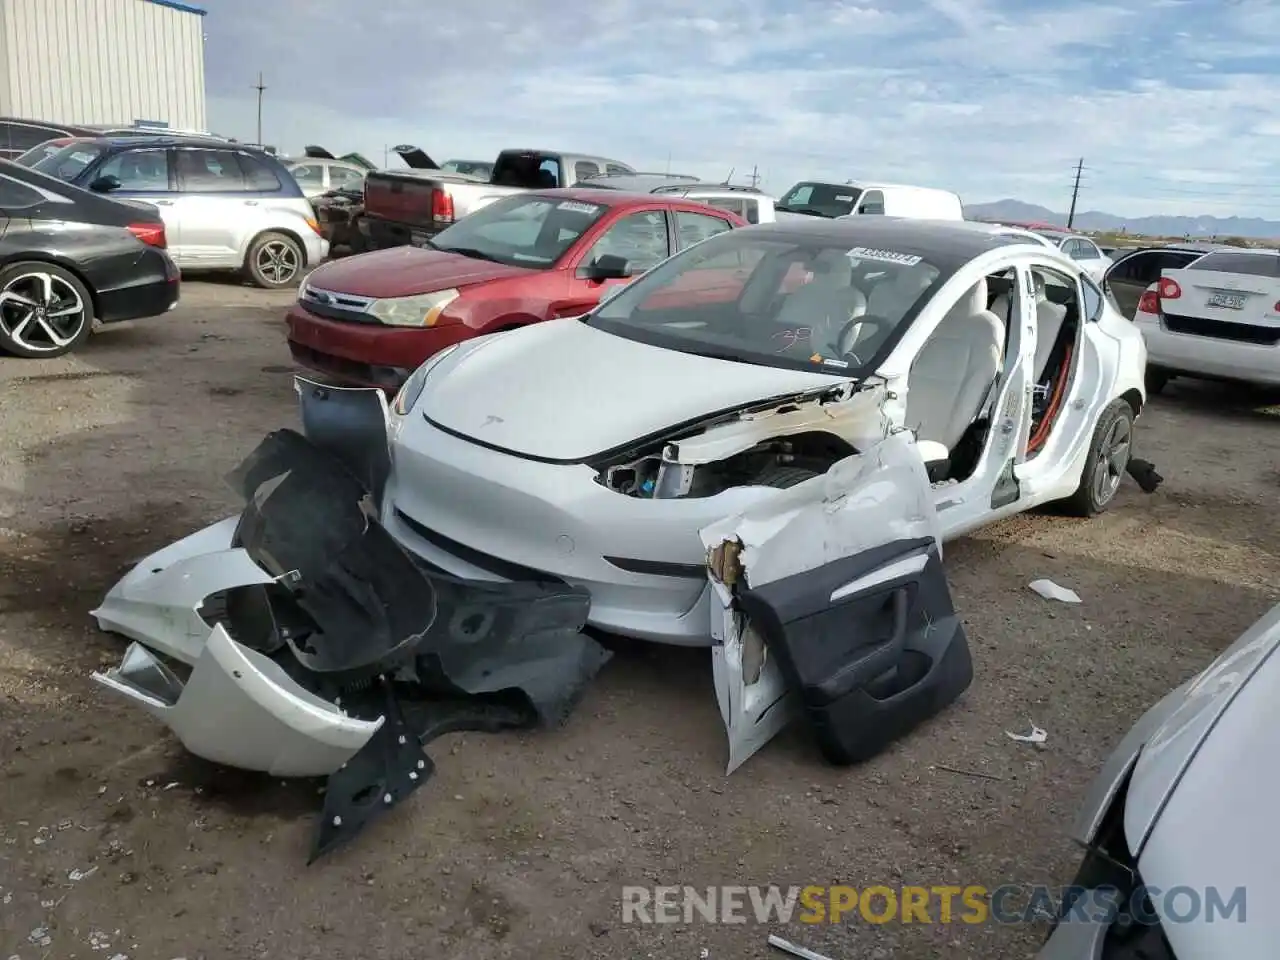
103,62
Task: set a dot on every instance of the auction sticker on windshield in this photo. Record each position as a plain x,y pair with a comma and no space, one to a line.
573,206
883,256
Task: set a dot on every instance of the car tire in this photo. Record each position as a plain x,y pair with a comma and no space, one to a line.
275,261
783,477
1096,493
21,279
1156,380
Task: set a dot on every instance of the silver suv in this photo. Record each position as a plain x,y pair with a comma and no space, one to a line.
225,206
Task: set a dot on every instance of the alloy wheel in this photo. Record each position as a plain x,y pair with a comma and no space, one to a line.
41,312
1113,460
277,261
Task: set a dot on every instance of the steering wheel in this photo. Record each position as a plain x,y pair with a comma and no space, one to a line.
844,343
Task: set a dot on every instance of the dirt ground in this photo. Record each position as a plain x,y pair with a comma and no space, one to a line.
520,845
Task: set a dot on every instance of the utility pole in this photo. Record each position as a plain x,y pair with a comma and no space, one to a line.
260,87
755,176
1075,193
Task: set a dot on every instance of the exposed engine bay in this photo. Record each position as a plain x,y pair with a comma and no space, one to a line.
777,445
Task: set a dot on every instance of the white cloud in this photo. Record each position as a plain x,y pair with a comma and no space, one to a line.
1165,99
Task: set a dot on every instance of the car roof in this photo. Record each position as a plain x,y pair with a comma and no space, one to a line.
166,140
939,241
637,182
609,198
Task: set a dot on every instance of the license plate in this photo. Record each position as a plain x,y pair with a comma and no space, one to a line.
418,238
1231,301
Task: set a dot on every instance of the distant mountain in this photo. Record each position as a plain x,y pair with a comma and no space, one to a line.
1094,220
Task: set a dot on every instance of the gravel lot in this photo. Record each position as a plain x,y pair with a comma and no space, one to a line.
519,846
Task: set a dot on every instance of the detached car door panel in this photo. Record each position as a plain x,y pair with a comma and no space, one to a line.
830,602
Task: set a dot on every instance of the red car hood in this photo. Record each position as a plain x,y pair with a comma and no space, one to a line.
406,271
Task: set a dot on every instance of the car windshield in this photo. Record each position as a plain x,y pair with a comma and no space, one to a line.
68,162
472,168
527,230
819,199
41,152
776,300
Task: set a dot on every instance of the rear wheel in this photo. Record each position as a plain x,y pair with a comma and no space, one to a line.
1157,379
275,260
45,311
1107,462
784,476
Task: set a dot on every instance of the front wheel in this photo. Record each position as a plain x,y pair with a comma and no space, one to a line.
1107,462
45,311
274,261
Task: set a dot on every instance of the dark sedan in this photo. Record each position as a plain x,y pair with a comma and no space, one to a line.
71,260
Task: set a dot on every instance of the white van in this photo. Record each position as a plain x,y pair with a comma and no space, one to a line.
816,199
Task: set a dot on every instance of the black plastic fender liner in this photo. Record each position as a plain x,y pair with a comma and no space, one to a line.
526,637
874,665
390,767
307,520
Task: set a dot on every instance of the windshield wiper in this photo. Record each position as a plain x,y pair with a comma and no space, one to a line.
471,252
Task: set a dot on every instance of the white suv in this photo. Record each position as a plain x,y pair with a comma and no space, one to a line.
225,206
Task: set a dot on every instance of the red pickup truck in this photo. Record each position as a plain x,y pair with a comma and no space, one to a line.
372,319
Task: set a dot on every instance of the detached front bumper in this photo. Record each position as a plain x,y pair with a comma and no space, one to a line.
322,648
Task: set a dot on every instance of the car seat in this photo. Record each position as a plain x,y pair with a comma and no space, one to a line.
1049,318
825,304
953,373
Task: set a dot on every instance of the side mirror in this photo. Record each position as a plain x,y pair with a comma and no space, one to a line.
608,266
106,184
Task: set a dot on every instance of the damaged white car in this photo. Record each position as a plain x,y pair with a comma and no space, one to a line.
757,446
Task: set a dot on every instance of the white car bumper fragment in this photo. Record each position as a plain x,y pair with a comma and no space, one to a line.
240,709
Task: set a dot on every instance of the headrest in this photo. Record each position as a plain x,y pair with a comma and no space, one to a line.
1038,283
975,301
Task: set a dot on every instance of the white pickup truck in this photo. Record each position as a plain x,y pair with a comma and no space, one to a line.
812,198
410,206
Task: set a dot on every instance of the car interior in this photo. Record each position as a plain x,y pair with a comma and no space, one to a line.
1058,317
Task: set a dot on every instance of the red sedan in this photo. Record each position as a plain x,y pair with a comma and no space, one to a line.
373,318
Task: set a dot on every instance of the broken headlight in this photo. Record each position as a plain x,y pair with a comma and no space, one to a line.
411,389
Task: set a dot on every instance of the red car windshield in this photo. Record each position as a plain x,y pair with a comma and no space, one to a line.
526,230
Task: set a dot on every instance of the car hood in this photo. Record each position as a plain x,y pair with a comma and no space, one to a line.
1181,746
564,391
1213,766
406,271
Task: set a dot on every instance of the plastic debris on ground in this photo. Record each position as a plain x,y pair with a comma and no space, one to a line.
1037,735
1052,591
786,946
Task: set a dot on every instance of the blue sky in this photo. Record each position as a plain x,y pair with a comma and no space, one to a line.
1174,104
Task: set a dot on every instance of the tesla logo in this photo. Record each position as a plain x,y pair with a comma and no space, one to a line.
491,419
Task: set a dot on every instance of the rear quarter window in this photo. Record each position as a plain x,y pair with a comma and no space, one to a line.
1248,264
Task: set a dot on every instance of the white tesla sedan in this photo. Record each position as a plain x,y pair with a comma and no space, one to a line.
759,445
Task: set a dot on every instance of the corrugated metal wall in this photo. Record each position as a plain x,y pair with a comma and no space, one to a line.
101,61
